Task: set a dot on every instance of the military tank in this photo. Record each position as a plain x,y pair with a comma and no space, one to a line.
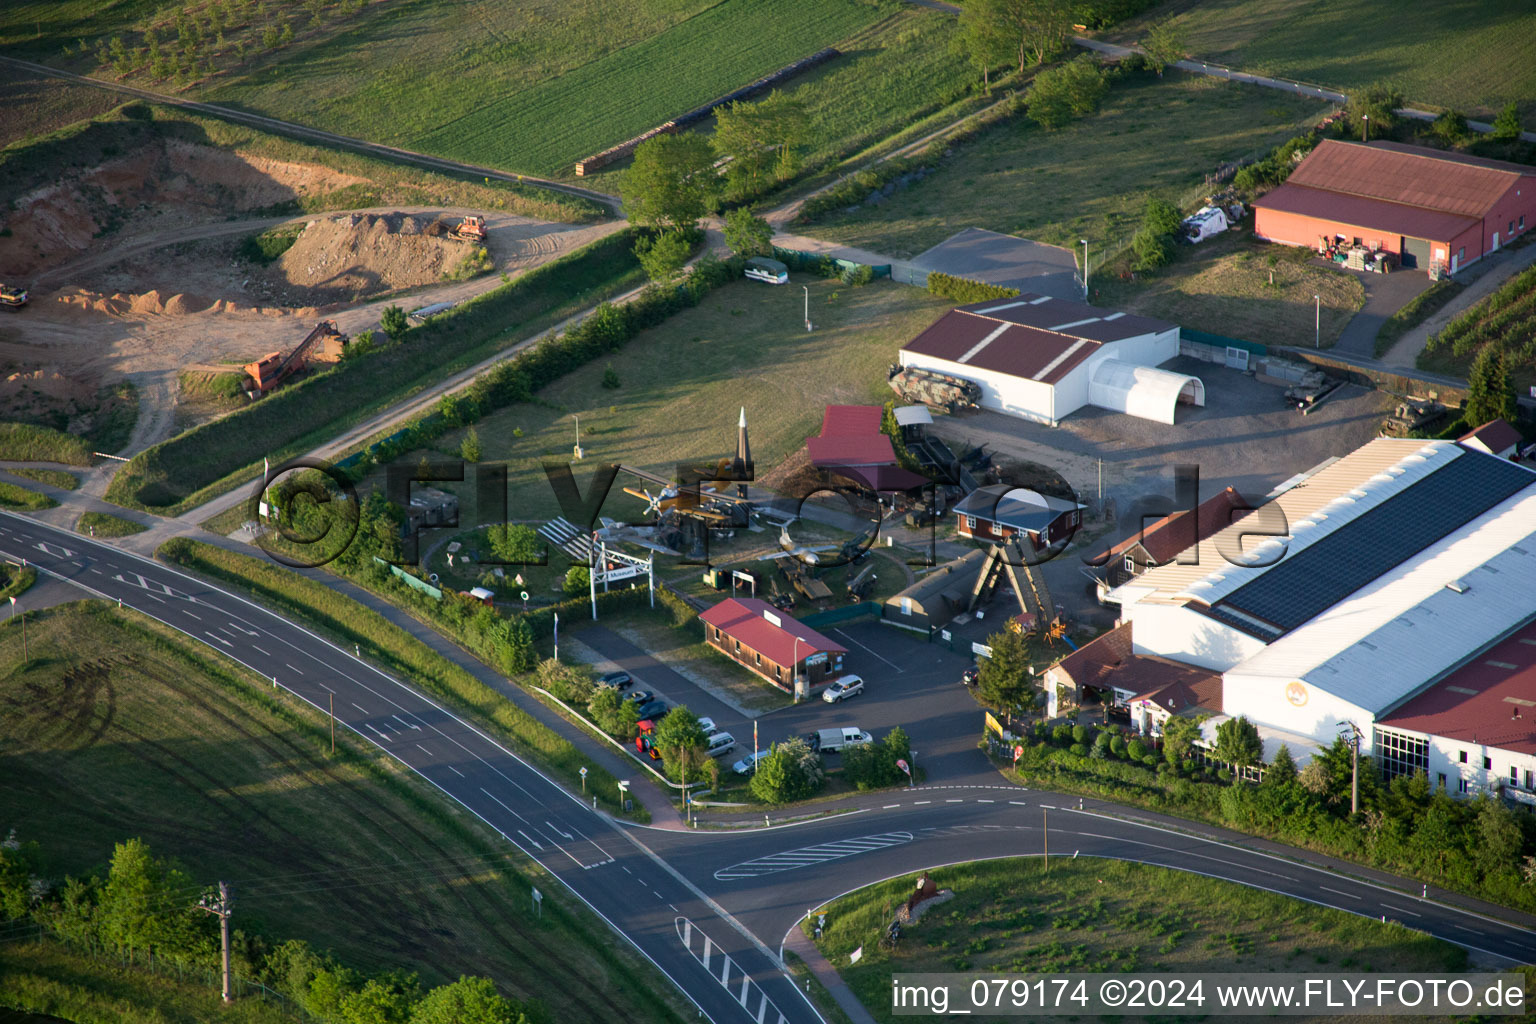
934,389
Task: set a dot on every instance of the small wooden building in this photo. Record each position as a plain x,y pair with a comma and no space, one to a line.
771,644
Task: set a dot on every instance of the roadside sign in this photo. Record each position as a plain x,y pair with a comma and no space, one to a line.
583,771
902,764
1018,752
993,725
524,595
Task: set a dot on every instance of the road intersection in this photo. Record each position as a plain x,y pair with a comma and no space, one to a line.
711,909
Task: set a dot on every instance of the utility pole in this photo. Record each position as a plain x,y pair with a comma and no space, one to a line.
223,908
1317,325
1353,739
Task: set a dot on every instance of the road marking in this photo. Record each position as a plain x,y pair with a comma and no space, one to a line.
558,832
1464,928
1337,892
871,650
808,856
359,707
748,993
954,801
98,572
536,844
1399,910
263,652
376,732
220,639
456,771
674,909
980,801
504,807
889,806
919,803
405,723
424,750
1049,807
653,891
199,618
626,870
296,670
327,689
1018,803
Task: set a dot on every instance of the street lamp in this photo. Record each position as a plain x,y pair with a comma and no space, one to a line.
807,289
1317,323
794,667
1085,268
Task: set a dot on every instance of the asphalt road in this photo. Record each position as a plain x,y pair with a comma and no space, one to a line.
707,909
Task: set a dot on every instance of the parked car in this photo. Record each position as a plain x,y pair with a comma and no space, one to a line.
972,676
720,744
709,726
616,680
746,764
656,710
640,697
830,741
843,688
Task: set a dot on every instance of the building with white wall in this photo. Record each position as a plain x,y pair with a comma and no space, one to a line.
1042,359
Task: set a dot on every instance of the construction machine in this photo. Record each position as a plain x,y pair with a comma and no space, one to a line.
325,344
471,228
12,296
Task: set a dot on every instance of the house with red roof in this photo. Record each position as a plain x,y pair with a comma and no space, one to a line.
1428,207
1496,437
771,644
1042,358
1161,541
853,444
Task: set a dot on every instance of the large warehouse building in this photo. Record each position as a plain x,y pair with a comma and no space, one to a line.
1042,359
1426,206
1391,591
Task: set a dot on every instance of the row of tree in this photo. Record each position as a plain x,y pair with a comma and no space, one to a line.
148,908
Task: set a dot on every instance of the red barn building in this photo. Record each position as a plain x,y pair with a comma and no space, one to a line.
1426,206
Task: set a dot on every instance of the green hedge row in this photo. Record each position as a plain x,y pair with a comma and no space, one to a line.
169,476
965,291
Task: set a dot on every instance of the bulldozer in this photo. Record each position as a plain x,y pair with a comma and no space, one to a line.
471,228
325,344
12,296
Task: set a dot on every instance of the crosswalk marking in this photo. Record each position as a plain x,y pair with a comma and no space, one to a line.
807,856
727,972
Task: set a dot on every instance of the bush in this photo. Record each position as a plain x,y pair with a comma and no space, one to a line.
1079,734
1136,750
1061,735
873,765
792,771
267,247
1117,746
1451,128
610,378
1078,750
578,580
1506,127
1063,93
859,276
965,291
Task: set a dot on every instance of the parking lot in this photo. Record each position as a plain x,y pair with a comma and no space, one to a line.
907,682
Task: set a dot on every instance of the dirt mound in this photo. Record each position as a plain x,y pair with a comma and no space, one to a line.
30,395
363,254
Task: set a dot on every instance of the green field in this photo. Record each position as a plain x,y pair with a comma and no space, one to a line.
52,477
1461,54
117,727
32,105
1088,180
104,524
684,382
1090,915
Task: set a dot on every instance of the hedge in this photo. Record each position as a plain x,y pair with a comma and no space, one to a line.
965,291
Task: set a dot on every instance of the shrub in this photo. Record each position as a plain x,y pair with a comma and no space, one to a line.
1506,127
791,771
965,291
578,580
1063,93
610,377
1079,734
1117,746
1136,750
268,246
859,276
1062,735
1451,127
394,323
1078,750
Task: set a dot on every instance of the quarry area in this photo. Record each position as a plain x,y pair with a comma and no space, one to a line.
181,258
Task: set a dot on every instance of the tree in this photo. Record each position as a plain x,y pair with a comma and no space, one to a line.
1378,103
1004,680
748,234
1238,744
1499,838
1282,770
662,256
790,771
142,907
1179,736
982,39
394,323
18,865
1451,127
1030,29
384,1000
515,542
1164,45
359,346
1153,241
467,1001
1060,94
1490,394
680,738
469,448
672,182
761,141
578,580
1506,127
611,378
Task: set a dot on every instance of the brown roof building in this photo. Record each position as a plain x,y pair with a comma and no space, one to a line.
1427,206
1496,437
1157,687
1160,542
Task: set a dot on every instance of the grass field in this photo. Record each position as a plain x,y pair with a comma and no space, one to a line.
684,382
1088,180
1475,57
15,497
1090,915
116,727
1223,286
52,477
103,524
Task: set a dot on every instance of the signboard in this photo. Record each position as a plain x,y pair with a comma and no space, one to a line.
625,573
816,659
773,619
1018,752
853,957
993,725
981,650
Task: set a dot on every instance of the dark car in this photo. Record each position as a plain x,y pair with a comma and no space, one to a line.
617,680
640,697
656,710
972,676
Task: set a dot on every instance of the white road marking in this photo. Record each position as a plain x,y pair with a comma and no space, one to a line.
1399,910
299,671
359,707
986,801
871,650
536,844
456,771
504,807
263,652
653,892
558,832
376,732
789,860
327,689
1338,893
98,572
424,750
919,803
626,870
405,723
889,806
954,801
214,636
1018,803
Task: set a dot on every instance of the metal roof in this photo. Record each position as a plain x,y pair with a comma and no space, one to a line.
1490,700
1076,319
913,415
1398,524
1413,176
1164,539
1380,646
1168,583
1366,215
753,623
1014,506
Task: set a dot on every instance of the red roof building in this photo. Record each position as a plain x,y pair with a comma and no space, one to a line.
1496,437
1123,678
853,444
771,644
1427,206
1160,542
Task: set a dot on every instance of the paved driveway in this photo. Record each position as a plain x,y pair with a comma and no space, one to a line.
982,255
1385,294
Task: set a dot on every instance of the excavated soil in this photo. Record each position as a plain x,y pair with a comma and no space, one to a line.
362,254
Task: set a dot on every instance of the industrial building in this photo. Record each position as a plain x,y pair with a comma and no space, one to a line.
1431,209
1388,591
771,644
1043,358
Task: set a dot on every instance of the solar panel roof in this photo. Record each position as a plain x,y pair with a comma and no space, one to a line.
1303,585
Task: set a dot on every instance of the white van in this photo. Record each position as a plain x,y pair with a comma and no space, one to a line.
830,741
761,268
720,744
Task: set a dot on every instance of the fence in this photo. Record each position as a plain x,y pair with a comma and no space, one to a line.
412,581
